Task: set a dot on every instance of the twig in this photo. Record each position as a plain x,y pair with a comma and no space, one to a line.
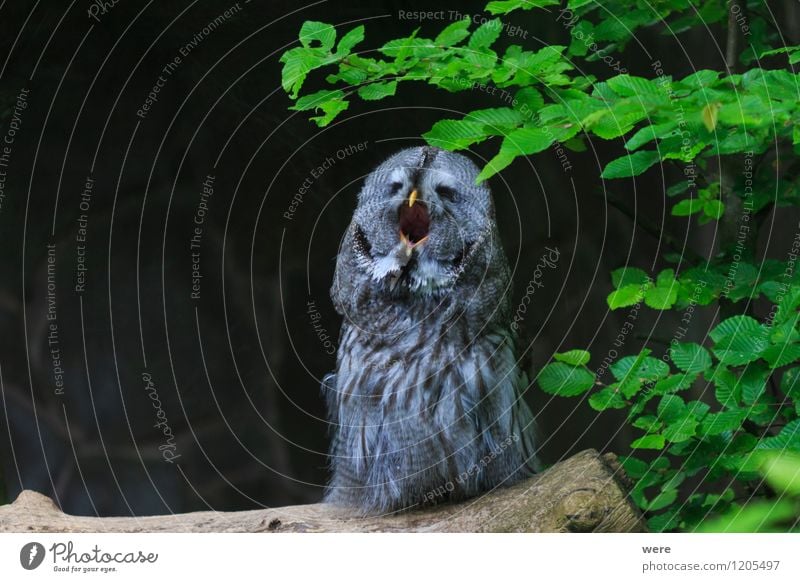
654,231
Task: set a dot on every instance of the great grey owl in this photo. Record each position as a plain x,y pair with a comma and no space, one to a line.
425,404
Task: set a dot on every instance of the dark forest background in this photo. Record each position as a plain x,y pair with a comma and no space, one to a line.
236,372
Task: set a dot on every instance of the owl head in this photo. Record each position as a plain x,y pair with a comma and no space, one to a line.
421,219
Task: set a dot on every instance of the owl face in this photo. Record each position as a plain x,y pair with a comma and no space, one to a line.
420,219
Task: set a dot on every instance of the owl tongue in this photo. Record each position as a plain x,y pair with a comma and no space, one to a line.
414,223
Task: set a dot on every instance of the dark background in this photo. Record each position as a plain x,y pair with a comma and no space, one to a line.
237,371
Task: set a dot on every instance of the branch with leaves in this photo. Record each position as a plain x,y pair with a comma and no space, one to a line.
733,135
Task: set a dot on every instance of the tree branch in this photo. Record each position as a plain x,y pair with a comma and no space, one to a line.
736,9
655,231
584,493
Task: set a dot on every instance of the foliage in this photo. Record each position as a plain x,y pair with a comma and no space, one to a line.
778,514
690,120
750,369
731,137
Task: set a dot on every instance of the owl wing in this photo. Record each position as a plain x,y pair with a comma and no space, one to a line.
328,388
525,425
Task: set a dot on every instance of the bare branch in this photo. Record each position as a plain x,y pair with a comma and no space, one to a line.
584,493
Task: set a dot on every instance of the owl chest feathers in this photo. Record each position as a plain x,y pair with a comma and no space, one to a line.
428,371
416,410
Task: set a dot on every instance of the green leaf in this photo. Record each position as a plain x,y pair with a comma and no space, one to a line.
528,100
659,465
574,357
330,110
674,383
619,121
645,368
744,282
635,468
564,380
778,51
755,517
495,165
315,100
650,132
728,391
687,207
527,140
349,72
664,522
710,115
661,297
606,398
576,144
739,340
663,499
666,278
782,472
678,188
454,134
690,357
297,63
753,382
404,49
787,306
697,409
674,482
454,33
721,422
671,408
714,209
787,439
648,423
630,165
625,296
650,441
782,354
485,34
501,117
573,4
375,91
629,276
681,430
700,79
627,371
791,386
321,32
349,41
783,333
641,137
506,6
628,86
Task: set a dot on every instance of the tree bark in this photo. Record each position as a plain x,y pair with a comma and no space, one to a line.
585,493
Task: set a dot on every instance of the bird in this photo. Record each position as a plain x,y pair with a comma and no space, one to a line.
425,405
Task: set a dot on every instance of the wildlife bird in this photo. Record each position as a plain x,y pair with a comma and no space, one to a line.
425,404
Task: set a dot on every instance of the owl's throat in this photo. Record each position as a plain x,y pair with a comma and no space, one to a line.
415,222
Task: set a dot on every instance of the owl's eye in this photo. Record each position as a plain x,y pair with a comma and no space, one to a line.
446,192
394,188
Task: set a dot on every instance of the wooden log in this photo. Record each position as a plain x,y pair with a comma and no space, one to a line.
585,493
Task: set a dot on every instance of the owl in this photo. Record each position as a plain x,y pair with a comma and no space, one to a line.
425,404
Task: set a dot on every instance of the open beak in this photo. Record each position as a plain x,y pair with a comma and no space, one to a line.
414,222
